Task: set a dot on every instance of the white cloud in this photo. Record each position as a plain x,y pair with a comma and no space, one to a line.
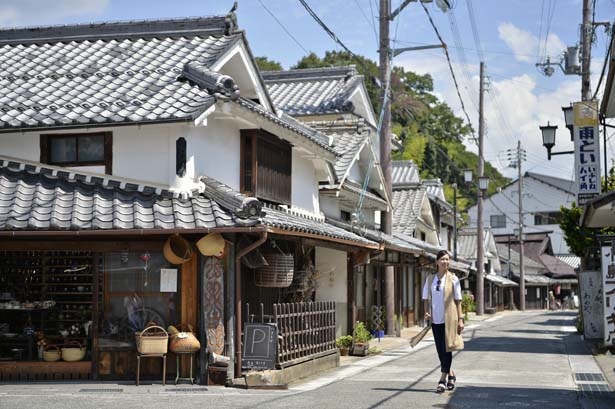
515,107
15,13
521,42
525,45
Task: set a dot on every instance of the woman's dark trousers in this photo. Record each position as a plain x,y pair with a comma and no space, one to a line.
446,358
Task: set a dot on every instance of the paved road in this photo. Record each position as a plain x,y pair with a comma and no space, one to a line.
514,360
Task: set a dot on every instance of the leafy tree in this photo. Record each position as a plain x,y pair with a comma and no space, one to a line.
431,135
265,64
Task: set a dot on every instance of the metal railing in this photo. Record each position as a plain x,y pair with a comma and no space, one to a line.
306,331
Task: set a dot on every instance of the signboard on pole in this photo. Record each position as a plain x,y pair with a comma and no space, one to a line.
586,151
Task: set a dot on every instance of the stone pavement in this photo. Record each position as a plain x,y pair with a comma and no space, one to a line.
389,342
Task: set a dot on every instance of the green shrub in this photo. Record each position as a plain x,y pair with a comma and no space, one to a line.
361,334
345,341
468,304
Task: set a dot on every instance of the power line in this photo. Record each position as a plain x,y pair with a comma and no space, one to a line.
284,28
369,21
324,27
450,66
606,62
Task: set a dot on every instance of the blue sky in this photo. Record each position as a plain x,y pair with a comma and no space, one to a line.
511,33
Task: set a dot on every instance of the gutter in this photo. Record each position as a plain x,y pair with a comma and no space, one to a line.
238,300
17,234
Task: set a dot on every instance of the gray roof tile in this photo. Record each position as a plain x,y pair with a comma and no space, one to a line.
404,173
35,200
106,73
313,91
407,208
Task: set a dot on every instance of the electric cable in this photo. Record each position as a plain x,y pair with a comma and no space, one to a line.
284,28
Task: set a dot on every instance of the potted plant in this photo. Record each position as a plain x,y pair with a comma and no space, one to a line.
344,343
361,337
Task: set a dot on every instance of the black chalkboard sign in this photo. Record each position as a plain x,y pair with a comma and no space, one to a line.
260,346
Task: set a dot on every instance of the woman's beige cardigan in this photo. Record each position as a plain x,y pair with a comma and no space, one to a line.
454,342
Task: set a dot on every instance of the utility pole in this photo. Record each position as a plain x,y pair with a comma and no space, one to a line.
386,220
586,49
480,248
521,251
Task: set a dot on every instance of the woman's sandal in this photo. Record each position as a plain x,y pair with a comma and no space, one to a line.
450,385
441,386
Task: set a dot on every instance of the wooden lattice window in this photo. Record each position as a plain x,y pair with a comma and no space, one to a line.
266,166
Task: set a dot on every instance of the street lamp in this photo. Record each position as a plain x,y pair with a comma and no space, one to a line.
569,118
548,140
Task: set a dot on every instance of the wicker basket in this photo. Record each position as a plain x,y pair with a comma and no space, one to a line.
177,250
184,341
73,352
152,340
51,353
279,272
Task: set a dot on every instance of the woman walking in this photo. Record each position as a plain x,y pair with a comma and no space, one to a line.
442,301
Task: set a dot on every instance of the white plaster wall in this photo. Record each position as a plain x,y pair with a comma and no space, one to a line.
330,206
215,149
21,145
304,193
537,197
355,173
332,284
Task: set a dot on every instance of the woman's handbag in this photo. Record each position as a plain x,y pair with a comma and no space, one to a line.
183,341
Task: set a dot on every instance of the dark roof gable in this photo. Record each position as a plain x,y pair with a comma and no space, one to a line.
185,27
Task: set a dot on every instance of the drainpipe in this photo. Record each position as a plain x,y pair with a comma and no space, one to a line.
238,300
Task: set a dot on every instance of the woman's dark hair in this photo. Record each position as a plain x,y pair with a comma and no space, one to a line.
441,254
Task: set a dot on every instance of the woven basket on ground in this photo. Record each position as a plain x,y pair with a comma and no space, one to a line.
152,340
278,272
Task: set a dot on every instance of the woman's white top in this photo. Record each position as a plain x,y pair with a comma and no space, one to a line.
437,297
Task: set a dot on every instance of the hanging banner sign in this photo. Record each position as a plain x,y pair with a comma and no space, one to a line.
586,151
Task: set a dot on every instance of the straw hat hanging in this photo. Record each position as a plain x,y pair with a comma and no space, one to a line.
211,245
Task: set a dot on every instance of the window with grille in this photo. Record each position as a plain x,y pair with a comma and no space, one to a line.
79,149
266,166
498,220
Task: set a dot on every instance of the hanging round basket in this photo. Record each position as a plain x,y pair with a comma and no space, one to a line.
177,250
278,272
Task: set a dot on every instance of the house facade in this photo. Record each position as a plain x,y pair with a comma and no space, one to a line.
128,150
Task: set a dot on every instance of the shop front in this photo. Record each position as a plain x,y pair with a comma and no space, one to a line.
70,310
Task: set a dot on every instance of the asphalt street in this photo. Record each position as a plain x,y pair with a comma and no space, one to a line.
518,360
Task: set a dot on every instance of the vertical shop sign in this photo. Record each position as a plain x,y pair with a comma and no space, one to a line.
608,277
586,151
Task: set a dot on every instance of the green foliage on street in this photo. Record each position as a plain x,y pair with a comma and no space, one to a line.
467,304
345,341
360,334
583,241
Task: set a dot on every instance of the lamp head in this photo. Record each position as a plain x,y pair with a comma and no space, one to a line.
483,183
467,175
548,135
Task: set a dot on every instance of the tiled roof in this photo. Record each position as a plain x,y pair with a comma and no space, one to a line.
500,281
404,173
571,260
120,73
34,198
287,220
515,257
290,123
407,205
106,74
313,91
566,185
